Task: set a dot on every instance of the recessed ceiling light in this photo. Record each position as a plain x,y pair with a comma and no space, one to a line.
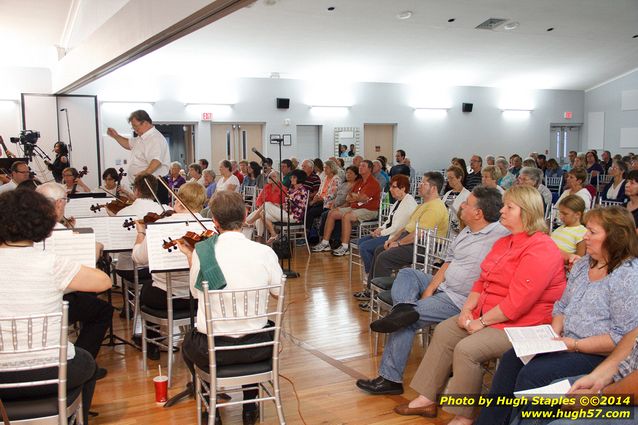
451,20
275,75
331,8
550,29
406,14
511,26
635,36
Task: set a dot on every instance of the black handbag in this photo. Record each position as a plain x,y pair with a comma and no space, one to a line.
281,246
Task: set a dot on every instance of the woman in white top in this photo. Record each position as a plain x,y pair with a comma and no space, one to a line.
574,181
227,180
615,189
32,282
400,213
73,181
490,176
193,195
457,195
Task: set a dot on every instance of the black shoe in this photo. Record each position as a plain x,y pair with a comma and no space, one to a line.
152,352
137,340
100,373
250,417
380,386
218,419
402,315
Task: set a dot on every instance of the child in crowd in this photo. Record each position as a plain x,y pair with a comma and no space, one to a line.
569,236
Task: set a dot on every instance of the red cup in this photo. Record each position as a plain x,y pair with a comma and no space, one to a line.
161,389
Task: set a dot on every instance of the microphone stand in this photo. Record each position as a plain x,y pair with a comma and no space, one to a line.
288,272
68,129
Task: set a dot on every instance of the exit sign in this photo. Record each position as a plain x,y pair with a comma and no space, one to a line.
207,116
567,115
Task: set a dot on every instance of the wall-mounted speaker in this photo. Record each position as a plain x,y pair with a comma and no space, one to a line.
283,103
467,107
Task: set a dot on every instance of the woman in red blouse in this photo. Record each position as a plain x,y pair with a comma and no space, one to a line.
294,209
520,280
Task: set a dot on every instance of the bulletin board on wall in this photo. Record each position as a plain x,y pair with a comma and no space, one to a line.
66,118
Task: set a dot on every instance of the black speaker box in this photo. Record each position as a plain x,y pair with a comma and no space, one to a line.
283,103
467,107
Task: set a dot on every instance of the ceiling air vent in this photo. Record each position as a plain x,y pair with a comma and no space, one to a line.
491,24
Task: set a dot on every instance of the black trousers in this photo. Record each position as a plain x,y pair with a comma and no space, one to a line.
336,232
312,213
154,297
95,316
386,261
195,352
80,373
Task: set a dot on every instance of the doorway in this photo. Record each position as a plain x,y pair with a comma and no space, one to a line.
378,139
234,141
562,139
180,142
308,137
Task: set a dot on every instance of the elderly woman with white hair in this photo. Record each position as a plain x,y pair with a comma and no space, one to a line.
508,178
174,179
533,177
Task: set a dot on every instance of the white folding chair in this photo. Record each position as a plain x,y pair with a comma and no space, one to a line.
61,409
363,229
297,230
605,204
241,304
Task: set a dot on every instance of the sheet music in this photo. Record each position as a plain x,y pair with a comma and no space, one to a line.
556,389
81,207
110,232
77,244
531,340
159,259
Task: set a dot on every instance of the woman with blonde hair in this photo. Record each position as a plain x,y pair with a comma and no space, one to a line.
512,290
491,174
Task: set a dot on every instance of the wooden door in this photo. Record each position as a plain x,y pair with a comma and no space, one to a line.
234,141
378,139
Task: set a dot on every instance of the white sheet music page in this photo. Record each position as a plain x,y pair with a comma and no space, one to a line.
77,245
556,390
81,207
110,231
531,340
160,259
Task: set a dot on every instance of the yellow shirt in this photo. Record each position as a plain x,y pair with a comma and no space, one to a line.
429,215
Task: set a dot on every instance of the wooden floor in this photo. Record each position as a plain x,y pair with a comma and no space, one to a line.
327,345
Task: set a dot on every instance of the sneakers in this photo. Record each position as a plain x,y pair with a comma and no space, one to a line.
321,246
363,295
341,251
364,306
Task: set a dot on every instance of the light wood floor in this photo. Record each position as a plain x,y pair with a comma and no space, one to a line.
327,346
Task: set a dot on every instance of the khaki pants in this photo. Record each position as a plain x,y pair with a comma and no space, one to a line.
453,347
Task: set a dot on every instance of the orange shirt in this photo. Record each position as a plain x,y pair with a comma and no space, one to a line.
370,187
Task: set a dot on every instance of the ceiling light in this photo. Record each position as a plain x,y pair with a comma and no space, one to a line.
331,8
550,29
406,14
635,36
275,75
270,2
451,20
511,26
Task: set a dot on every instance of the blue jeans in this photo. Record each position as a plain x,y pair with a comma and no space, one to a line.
407,289
542,370
367,245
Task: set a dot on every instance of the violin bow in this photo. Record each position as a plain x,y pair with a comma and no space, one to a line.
161,180
154,195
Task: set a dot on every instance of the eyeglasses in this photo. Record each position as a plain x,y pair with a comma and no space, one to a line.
22,172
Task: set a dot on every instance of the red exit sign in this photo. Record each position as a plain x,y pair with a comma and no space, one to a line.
567,115
207,116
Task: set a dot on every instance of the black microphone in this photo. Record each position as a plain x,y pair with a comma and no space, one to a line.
263,158
63,109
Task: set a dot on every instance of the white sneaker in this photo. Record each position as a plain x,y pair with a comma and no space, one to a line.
341,251
321,246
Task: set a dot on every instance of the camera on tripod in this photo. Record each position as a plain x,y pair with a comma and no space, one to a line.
27,137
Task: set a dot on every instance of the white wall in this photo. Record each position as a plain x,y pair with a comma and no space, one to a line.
429,141
607,99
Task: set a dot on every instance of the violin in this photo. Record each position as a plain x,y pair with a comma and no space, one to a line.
113,207
151,217
190,238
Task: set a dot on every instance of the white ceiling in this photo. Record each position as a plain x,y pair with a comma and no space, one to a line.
362,40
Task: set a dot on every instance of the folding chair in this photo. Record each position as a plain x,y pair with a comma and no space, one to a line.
240,304
297,230
363,229
61,409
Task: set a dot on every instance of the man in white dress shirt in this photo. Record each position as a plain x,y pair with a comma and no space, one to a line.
149,149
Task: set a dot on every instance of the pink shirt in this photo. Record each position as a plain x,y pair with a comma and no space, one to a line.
524,275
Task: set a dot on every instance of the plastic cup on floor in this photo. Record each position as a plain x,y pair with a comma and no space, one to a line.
161,389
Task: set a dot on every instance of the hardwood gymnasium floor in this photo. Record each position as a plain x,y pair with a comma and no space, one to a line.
327,345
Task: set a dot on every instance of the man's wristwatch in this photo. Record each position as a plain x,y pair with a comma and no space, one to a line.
482,322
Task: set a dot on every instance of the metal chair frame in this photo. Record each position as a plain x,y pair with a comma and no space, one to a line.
362,229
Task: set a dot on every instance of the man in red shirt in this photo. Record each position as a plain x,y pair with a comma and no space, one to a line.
364,199
236,172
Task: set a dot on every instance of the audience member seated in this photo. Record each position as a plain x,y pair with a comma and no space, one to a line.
174,179
596,310
350,177
615,189
457,194
574,183
286,170
43,278
272,194
572,159
533,177
154,296
399,167
421,300
593,167
381,177
72,181
324,199
397,251
631,191
318,167
508,178
209,182
569,236
294,208
254,177
364,199
512,290
491,175
228,180
312,181
234,168
474,178
195,173
553,169
226,255
400,213
460,162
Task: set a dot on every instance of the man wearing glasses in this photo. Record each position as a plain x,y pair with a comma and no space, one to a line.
149,149
19,173
474,178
